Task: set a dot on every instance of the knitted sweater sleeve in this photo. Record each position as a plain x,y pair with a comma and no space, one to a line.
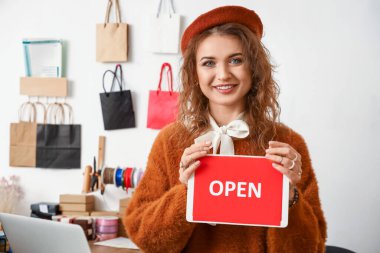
156,216
306,230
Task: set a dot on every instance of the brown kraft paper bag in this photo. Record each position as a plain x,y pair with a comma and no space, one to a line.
112,38
23,139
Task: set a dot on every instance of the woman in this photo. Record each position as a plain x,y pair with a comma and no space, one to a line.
228,94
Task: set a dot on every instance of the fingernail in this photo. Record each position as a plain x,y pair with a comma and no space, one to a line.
197,162
208,142
274,165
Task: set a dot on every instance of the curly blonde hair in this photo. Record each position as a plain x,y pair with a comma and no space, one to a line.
261,106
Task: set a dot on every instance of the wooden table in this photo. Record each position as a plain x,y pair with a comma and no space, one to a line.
104,249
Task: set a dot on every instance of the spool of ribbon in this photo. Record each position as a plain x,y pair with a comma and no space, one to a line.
127,181
107,221
106,228
108,176
118,175
125,178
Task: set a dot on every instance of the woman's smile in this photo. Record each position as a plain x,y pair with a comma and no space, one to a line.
225,88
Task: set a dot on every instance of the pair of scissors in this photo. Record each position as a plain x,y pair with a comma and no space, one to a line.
94,177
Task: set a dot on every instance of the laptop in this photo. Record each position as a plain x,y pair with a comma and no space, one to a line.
33,235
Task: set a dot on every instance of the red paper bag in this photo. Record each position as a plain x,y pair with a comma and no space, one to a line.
163,105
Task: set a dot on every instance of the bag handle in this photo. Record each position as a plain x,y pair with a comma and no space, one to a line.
169,5
117,12
120,70
114,73
31,113
69,109
52,112
37,104
169,76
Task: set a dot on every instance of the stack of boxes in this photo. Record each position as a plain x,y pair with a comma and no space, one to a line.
76,204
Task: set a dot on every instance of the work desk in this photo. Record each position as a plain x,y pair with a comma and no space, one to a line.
104,249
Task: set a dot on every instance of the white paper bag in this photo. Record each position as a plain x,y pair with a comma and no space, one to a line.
165,29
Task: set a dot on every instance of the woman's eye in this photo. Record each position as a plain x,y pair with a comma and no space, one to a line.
208,63
236,61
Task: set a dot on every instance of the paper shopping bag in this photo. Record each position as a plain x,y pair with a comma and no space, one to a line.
165,29
23,135
163,105
112,38
117,108
58,145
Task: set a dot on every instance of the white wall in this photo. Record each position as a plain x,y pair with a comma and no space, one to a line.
328,59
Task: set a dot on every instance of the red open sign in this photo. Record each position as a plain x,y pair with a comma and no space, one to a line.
244,190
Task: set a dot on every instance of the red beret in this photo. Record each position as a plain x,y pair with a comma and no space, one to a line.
220,16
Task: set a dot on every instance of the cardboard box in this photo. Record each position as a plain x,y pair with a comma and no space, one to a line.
122,211
124,202
77,207
76,198
104,213
76,214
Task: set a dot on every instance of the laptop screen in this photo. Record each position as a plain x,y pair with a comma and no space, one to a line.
29,235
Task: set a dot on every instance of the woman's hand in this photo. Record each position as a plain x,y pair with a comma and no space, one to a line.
189,160
286,160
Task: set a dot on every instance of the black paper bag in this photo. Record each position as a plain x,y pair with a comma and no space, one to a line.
58,146
117,107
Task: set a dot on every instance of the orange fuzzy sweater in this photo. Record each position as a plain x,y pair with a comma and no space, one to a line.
156,216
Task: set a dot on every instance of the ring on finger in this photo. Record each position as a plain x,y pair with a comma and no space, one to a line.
181,165
191,158
282,158
292,167
295,158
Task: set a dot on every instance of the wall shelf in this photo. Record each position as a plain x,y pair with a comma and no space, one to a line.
43,86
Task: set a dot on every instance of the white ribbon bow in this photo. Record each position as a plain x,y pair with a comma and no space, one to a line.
222,135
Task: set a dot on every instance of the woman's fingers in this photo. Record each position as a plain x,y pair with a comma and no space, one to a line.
195,152
277,144
193,157
293,175
189,160
185,174
284,161
196,147
284,151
